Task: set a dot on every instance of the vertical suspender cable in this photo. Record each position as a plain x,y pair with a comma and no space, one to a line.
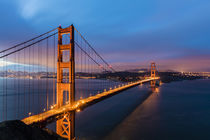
15,86
6,91
24,84
18,107
47,74
54,70
38,83
33,80
3,89
29,81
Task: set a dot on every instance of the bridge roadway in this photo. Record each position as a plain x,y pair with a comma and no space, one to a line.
56,113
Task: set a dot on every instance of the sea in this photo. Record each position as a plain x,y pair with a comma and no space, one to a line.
174,111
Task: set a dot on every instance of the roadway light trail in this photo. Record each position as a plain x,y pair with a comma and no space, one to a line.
83,103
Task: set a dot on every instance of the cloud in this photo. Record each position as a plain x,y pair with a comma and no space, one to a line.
6,63
196,63
29,8
124,32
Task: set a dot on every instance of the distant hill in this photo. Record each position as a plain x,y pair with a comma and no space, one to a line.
137,70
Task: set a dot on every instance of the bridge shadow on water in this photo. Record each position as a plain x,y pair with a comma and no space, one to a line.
127,128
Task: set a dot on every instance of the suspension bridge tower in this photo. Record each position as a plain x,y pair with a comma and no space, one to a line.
153,70
65,126
153,74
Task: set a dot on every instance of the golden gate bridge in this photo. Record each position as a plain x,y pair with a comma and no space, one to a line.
50,77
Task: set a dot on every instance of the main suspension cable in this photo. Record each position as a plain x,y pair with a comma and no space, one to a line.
27,46
28,40
95,50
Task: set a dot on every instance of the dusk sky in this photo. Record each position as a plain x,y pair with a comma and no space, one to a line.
127,33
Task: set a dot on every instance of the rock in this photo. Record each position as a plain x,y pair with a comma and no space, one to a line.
17,130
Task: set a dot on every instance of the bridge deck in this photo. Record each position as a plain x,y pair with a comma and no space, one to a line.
80,104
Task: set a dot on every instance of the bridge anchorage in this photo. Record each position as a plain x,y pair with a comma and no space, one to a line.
79,70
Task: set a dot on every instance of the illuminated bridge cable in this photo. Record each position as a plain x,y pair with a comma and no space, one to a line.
28,40
54,70
14,87
33,80
28,81
94,50
6,90
27,46
47,74
18,86
39,83
89,56
24,104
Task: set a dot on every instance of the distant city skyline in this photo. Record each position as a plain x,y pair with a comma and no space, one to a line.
126,33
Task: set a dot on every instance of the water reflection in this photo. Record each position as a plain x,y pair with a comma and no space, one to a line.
131,124
180,110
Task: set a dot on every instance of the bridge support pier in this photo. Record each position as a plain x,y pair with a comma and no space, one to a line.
66,126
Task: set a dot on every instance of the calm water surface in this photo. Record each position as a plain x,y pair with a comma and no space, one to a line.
180,111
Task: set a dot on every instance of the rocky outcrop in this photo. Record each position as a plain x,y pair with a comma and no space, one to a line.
17,130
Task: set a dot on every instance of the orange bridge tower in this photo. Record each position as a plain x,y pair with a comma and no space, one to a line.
65,126
153,70
153,74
